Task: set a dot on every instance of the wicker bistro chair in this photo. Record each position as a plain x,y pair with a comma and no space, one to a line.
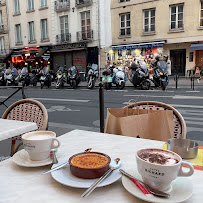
179,122
27,110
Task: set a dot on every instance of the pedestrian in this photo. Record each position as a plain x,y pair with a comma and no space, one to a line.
168,65
126,70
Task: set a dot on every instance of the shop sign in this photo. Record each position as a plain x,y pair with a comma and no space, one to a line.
29,48
138,46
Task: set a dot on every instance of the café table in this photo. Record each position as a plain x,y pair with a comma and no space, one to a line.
12,128
23,184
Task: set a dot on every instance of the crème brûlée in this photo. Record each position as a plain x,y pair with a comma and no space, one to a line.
89,160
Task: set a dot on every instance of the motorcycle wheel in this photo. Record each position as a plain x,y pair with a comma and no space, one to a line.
122,85
163,85
73,84
145,85
58,84
90,84
42,85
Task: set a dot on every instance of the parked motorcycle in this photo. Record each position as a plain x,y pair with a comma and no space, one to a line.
92,76
45,79
107,79
9,78
2,80
160,75
140,76
73,77
119,78
61,77
33,78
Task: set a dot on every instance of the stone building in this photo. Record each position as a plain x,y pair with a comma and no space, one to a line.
145,28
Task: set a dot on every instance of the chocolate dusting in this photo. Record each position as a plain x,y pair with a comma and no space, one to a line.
155,158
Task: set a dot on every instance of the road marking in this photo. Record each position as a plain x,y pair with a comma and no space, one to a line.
153,91
120,90
66,100
189,129
85,89
194,119
146,96
59,108
186,97
192,91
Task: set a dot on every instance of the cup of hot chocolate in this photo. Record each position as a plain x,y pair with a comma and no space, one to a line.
159,167
38,144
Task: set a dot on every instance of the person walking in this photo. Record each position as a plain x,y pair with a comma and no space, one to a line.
168,65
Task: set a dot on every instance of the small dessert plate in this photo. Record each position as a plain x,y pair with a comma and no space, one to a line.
181,190
65,177
21,158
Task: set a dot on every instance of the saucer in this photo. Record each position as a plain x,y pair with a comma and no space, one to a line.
21,158
181,190
65,177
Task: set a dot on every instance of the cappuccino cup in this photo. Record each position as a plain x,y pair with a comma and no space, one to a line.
38,144
159,167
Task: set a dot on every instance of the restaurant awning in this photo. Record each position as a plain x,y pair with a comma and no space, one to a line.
64,50
139,46
197,46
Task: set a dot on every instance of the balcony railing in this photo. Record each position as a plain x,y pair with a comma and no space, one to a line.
62,6
85,35
81,3
63,38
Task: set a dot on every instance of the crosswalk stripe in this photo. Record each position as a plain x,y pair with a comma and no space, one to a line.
66,100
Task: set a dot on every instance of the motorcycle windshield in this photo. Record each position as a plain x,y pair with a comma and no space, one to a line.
94,66
73,70
144,68
162,65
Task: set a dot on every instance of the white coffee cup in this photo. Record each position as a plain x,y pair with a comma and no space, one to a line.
38,144
159,174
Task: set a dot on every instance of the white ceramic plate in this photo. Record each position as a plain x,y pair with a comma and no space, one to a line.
21,158
65,177
181,190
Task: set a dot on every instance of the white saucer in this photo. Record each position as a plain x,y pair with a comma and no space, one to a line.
21,158
65,177
181,190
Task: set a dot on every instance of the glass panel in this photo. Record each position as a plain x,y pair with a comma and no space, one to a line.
173,17
201,22
87,14
146,29
180,8
128,16
173,9
152,28
180,16
173,25
82,16
88,28
146,21
128,31
122,24
83,22
146,14
88,21
122,17
153,20
122,31
180,24
201,4
128,24
201,13
152,13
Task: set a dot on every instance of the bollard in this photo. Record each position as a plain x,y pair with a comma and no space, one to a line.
176,79
101,107
192,82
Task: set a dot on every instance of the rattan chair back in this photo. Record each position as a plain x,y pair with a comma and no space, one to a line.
179,122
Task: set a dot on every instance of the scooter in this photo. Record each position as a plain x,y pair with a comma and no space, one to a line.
2,80
45,79
61,77
118,78
92,76
107,79
33,78
73,77
140,77
9,78
160,75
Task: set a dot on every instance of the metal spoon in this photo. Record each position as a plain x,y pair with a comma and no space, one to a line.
114,165
153,191
55,160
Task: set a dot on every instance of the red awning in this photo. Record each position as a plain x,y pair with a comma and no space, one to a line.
64,50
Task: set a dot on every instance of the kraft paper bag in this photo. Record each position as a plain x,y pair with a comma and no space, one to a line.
143,123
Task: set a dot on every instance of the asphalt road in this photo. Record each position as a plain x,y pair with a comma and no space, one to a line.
79,108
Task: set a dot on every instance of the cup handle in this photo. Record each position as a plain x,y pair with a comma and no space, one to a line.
53,146
189,173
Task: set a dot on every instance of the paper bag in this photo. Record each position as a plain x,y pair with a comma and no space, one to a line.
144,123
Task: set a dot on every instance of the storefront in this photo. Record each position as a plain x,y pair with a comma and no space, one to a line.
198,48
68,55
32,57
122,53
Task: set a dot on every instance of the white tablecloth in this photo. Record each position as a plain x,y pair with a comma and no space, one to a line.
23,185
11,128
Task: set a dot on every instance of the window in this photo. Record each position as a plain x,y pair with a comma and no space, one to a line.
18,34
176,17
64,28
43,3
30,5
124,24
123,0
2,46
16,7
1,19
31,32
201,14
44,30
149,20
86,25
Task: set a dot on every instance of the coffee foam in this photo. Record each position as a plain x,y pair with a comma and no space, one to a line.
160,157
39,135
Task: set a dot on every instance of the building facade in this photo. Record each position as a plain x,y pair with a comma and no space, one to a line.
30,32
4,39
79,32
146,28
